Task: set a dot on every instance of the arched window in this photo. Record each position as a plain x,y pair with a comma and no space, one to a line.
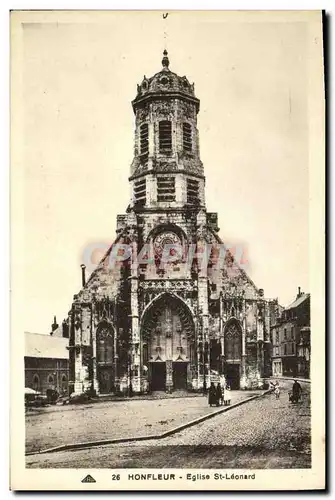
105,344
165,137
50,380
233,341
36,382
187,137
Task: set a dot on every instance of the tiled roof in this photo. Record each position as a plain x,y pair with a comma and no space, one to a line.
38,345
298,301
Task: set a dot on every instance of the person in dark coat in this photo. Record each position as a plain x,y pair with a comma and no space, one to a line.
219,394
296,392
212,395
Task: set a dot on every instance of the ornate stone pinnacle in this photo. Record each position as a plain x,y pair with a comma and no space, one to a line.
165,60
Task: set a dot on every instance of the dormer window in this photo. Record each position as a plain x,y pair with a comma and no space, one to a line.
165,137
144,140
187,137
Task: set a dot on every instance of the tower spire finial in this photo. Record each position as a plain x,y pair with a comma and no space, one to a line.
165,60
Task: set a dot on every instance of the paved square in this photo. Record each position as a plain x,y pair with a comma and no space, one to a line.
265,433
58,425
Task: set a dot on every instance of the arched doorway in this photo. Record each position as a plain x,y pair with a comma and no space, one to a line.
105,358
167,344
233,353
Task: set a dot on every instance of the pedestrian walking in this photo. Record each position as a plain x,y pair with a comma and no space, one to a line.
295,395
219,395
212,395
273,385
277,390
227,395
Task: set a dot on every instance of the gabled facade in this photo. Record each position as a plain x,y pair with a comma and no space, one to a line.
46,362
291,339
168,308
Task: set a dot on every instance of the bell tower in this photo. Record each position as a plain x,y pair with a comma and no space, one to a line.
167,308
166,172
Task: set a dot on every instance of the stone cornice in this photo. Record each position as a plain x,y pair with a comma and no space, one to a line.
153,96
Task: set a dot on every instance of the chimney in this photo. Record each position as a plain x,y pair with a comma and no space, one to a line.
299,292
83,274
54,326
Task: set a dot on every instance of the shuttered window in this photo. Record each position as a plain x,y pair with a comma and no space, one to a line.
187,137
140,192
192,191
165,137
166,188
144,140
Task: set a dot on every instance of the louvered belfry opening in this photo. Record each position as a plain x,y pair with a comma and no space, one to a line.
140,192
165,137
166,190
193,192
187,137
144,142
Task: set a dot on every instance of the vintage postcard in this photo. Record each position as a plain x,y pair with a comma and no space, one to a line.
167,231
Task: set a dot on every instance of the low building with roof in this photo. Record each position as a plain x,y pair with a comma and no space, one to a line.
46,361
290,336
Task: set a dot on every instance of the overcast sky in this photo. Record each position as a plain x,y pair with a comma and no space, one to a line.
79,76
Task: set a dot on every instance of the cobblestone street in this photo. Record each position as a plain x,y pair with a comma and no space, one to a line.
264,433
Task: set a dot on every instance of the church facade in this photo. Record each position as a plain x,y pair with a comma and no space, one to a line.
168,307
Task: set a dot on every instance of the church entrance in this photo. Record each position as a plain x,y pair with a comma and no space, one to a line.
179,375
158,376
167,343
106,380
233,376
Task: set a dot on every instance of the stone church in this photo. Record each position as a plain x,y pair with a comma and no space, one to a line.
168,307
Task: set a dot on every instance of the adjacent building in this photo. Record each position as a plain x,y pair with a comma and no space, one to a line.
46,361
152,316
291,339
